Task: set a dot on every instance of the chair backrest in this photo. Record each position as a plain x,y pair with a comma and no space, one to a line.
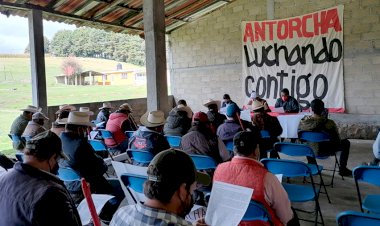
143,157
293,149
351,218
129,133
97,145
229,145
313,136
133,181
20,157
369,174
15,138
289,168
256,211
265,134
67,174
203,162
106,134
174,141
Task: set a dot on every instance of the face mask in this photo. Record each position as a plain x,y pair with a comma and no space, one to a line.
187,205
285,98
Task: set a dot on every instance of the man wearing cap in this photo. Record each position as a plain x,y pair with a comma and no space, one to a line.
231,126
149,137
31,194
215,118
103,115
201,140
118,123
245,170
172,179
179,121
35,126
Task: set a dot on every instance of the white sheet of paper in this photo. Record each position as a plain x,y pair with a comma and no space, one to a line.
99,202
228,204
245,115
223,110
279,177
279,110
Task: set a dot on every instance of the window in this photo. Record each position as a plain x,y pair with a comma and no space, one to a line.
124,76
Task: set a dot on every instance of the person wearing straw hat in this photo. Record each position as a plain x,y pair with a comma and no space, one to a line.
172,181
213,114
149,137
64,110
179,121
31,193
103,115
254,97
35,126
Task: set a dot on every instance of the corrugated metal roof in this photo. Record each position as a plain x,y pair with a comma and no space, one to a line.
113,15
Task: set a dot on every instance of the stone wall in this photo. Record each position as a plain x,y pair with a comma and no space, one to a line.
205,55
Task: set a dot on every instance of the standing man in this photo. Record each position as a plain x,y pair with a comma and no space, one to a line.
289,103
31,194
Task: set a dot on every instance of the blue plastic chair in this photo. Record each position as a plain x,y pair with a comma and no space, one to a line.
174,141
369,174
265,134
317,137
129,134
143,157
296,193
99,146
20,157
67,174
15,138
203,162
301,150
107,135
134,182
352,218
257,212
229,145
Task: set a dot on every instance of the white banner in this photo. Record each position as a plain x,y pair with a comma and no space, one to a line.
303,54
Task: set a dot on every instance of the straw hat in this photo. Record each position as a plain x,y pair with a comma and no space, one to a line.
106,105
61,121
79,118
153,119
39,115
86,110
126,107
31,108
256,105
211,101
66,107
187,109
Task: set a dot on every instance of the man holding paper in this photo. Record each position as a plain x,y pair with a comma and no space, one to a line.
245,170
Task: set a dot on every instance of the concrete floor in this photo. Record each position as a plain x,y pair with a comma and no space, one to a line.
343,195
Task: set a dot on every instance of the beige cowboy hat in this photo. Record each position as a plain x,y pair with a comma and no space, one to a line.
66,107
61,121
39,115
211,101
126,107
187,109
86,110
79,118
153,119
106,105
256,105
31,108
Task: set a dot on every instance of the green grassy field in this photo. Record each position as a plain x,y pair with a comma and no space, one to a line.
16,90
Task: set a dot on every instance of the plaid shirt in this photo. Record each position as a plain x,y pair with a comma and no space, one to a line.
139,214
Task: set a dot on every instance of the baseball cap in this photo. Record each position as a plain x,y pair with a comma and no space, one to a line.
200,117
44,145
232,109
175,167
246,141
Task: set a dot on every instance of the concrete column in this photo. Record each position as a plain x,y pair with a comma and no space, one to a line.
37,59
154,31
270,9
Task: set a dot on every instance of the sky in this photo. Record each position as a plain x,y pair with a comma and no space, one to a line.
14,34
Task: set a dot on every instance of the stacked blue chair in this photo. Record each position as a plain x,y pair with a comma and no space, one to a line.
300,150
134,182
296,193
351,218
143,157
369,174
257,212
67,174
174,141
317,137
203,162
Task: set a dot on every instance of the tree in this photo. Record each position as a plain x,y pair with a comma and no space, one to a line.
71,67
46,46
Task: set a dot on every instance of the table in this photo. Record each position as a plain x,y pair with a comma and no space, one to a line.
289,123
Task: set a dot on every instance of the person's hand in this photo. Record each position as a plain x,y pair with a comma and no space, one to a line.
200,222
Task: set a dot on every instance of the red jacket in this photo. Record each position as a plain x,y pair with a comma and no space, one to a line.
114,124
246,173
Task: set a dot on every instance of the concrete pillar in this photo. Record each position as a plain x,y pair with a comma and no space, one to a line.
154,31
270,9
37,59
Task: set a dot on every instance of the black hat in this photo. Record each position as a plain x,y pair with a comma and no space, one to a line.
44,145
175,167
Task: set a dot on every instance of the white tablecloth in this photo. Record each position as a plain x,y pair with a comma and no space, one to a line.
289,124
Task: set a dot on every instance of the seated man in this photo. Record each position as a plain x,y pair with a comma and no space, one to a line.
227,100
172,179
179,121
245,170
31,194
35,126
149,137
20,123
289,103
231,126
215,118
317,122
103,115
254,97
200,140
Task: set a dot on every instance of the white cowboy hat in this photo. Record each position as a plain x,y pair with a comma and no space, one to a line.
66,107
106,105
256,105
31,108
86,110
79,118
187,109
153,119
61,121
211,101
126,107
39,115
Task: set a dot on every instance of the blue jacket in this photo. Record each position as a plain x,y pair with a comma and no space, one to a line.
228,129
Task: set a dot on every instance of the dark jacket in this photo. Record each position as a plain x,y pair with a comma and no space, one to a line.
177,123
216,119
84,160
290,106
29,196
228,129
103,116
